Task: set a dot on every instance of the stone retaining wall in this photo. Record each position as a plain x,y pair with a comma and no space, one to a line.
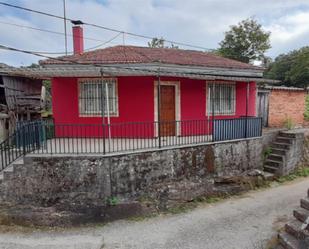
97,180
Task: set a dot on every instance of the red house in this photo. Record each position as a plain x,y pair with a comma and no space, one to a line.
152,92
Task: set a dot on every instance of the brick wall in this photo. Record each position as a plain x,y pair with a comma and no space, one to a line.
284,104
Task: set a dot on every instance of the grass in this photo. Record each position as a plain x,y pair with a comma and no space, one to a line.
300,172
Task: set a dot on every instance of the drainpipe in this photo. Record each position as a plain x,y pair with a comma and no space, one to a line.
102,111
108,114
213,111
158,106
247,100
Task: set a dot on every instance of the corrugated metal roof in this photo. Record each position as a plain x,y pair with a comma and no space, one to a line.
91,71
285,88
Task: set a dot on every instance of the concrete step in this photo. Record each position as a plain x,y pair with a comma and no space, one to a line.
286,134
295,229
284,146
268,176
288,241
301,214
270,169
275,157
281,152
304,203
273,163
281,139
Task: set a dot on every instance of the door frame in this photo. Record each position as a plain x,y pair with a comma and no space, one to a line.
176,85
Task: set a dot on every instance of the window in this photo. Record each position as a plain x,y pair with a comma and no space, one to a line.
91,94
221,98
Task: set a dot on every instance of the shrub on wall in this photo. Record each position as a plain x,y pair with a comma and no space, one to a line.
306,114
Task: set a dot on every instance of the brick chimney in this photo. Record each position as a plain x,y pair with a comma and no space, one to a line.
78,37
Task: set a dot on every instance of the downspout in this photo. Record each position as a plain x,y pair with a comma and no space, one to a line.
102,111
247,100
108,114
158,106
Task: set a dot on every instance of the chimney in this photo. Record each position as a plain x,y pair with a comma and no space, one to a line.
78,37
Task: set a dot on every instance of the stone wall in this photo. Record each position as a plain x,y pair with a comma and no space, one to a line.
285,104
94,180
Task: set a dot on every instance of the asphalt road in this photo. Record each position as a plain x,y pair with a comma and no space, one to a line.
246,222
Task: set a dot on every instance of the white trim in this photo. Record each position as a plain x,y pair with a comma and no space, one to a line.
176,84
235,97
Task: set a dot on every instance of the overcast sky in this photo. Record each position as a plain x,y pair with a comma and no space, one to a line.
198,22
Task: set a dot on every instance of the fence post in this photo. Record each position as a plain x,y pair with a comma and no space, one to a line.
213,110
247,99
23,132
159,106
103,109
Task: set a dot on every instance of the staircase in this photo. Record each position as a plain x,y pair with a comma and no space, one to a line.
276,161
296,233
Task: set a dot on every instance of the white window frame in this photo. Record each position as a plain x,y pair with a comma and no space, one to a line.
231,112
98,113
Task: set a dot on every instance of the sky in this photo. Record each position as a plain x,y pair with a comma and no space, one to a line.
197,22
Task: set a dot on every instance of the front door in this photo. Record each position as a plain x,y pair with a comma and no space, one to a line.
167,110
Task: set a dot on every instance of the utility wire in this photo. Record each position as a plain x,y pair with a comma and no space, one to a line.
102,27
60,33
48,31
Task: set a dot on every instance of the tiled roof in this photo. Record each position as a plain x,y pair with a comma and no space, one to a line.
134,54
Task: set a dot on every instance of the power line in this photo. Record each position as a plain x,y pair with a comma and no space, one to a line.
60,33
102,27
47,31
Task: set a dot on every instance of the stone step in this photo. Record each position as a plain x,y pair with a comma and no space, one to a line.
286,140
270,169
284,146
288,241
301,214
273,163
295,229
304,203
278,151
7,175
286,134
275,157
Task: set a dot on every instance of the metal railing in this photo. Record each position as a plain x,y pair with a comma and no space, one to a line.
46,137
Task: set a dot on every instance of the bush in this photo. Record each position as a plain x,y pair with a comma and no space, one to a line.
306,114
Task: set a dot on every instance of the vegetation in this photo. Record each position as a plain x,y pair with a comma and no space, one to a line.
159,43
112,201
288,123
267,152
306,114
292,69
245,42
300,172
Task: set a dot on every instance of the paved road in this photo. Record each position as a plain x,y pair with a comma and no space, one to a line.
245,222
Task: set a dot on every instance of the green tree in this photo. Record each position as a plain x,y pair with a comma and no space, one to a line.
291,68
159,43
245,42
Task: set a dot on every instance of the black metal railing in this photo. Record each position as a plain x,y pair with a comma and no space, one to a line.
26,138
46,137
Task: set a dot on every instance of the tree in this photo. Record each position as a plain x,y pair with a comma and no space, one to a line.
245,42
159,43
291,68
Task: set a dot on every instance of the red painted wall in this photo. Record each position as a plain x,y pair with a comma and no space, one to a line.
136,104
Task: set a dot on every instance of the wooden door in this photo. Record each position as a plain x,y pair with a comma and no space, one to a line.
167,111
263,107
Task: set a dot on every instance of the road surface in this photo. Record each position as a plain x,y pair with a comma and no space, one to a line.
246,222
